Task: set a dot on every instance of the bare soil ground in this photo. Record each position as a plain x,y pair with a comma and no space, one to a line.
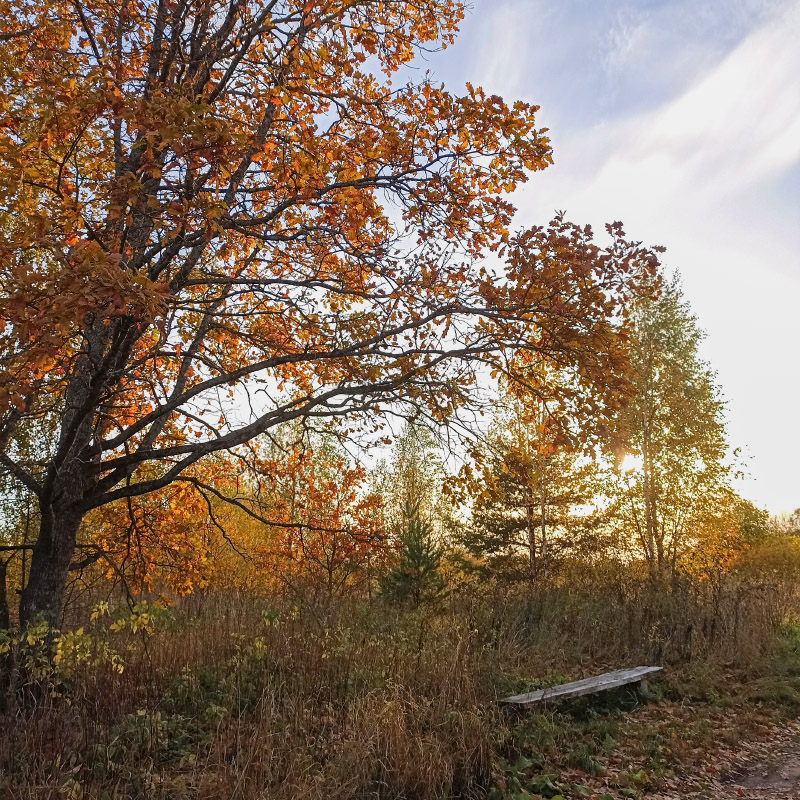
763,770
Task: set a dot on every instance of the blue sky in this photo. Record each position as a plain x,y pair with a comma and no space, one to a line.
682,119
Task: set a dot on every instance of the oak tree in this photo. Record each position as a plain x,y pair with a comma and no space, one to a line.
217,216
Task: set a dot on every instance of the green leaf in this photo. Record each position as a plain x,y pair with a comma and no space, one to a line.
640,777
543,785
521,764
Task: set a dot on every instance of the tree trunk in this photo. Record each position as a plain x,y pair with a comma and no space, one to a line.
44,593
5,614
66,484
5,622
531,539
653,546
543,509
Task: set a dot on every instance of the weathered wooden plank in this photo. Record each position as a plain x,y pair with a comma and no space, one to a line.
597,683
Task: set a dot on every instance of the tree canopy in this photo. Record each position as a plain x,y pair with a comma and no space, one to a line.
217,217
674,431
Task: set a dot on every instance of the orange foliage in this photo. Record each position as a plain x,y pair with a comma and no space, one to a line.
323,531
172,537
716,544
203,201
151,152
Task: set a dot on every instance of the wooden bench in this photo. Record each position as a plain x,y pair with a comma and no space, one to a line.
598,683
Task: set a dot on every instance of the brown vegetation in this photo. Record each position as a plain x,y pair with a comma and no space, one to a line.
229,694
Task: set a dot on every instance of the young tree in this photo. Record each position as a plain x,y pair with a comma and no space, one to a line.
416,576
753,522
787,524
414,477
217,216
525,500
322,533
720,533
675,467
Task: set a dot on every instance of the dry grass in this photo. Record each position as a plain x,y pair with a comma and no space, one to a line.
235,696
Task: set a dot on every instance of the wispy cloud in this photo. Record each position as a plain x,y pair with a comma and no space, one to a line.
625,39
682,118
712,173
737,125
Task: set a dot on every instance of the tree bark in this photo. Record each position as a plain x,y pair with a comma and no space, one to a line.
44,594
543,509
531,539
67,482
5,623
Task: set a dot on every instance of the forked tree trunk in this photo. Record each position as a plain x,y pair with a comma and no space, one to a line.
44,594
65,486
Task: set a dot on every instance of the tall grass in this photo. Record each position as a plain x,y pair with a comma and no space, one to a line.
232,695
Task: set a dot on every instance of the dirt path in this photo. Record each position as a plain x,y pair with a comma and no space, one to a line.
768,770
775,775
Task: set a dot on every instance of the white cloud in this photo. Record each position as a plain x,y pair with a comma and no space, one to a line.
702,173
683,120
737,125
624,39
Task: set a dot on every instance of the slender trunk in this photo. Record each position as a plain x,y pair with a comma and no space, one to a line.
545,554
531,539
543,510
5,614
44,593
25,540
653,546
662,557
649,490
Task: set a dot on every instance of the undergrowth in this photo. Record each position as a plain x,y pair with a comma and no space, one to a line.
229,695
